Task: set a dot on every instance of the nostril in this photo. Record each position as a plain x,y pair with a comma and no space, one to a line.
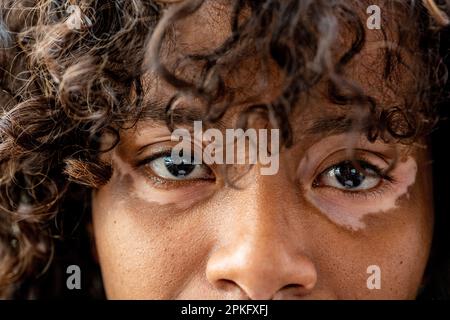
291,286
225,284
232,288
291,290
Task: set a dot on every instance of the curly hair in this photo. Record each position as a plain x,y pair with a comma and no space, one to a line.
67,69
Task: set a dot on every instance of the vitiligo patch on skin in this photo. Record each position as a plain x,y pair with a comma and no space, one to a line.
347,210
182,198
352,216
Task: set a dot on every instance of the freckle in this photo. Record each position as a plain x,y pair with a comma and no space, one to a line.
115,221
401,262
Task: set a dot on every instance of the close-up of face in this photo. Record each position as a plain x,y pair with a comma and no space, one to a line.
313,230
224,150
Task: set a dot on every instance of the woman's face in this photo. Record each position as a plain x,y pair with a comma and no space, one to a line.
313,230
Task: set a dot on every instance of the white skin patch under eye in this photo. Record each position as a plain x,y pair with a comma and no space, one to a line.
352,216
183,197
344,210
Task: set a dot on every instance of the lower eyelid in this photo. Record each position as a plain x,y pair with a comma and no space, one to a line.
373,193
161,183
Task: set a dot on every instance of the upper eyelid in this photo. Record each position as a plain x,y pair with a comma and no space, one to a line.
165,150
152,157
322,168
374,167
341,155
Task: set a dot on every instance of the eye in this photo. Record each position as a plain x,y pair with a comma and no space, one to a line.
165,167
345,176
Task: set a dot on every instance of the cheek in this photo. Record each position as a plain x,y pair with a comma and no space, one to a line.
146,251
342,261
399,246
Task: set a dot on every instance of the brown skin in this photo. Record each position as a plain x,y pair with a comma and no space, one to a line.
204,240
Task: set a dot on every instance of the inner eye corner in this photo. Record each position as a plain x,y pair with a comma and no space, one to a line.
315,184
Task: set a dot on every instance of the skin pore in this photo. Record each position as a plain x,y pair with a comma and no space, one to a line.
296,234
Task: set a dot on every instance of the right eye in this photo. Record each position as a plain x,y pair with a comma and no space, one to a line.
165,168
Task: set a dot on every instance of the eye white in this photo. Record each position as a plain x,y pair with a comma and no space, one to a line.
159,168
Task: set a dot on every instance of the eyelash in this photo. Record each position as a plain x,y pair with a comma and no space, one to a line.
162,153
386,179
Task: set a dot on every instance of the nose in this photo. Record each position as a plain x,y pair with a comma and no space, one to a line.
258,253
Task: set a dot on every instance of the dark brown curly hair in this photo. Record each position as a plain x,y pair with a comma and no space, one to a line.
67,68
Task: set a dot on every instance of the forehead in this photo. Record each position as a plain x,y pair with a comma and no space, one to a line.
252,79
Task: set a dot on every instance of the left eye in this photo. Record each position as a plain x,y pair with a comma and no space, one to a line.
164,167
345,176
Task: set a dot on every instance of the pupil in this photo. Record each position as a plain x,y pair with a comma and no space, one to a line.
178,170
348,176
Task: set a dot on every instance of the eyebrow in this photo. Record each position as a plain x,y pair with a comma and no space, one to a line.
332,126
157,111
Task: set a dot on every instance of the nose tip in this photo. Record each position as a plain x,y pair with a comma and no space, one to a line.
261,275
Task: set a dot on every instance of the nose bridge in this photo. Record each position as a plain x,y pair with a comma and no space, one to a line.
258,211
264,212
266,193
260,218
262,251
